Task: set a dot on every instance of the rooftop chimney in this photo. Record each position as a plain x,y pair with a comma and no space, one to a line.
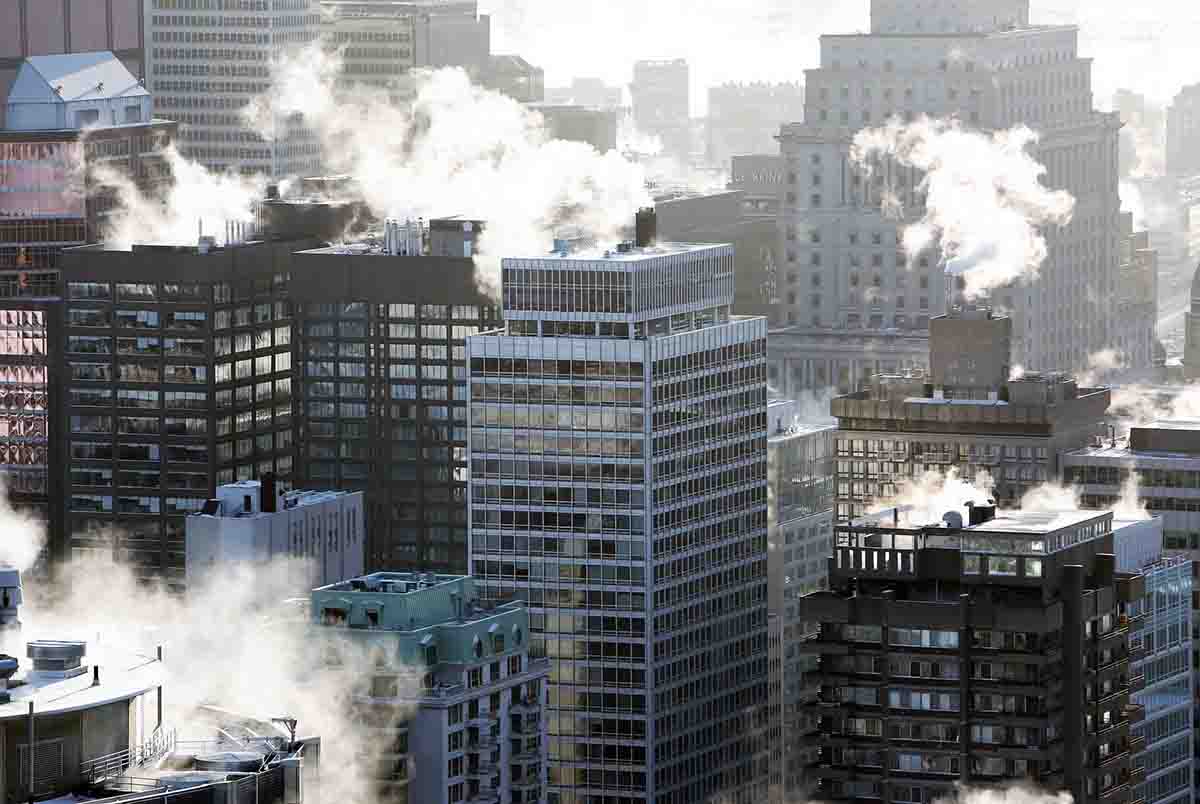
646,227
267,503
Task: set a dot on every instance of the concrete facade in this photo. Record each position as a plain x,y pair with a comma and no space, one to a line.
323,532
979,649
988,67
905,425
470,726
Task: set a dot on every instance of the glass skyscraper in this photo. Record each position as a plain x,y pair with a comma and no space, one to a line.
618,447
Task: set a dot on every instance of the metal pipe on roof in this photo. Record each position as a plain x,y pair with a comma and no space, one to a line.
31,763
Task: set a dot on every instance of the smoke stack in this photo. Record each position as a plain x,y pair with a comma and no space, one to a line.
267,503
646,227
95,675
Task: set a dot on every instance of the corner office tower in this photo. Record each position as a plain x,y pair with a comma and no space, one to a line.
618,445
985,64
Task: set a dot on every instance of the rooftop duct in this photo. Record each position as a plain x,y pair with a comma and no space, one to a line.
62,658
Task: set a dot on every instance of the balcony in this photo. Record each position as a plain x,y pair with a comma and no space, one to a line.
481,770
481,720
485,742
526,705
485,797
1137,745
1137,683
1117,794
1136,775
1135,713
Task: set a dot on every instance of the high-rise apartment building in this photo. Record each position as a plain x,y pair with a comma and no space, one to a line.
382,378
50,27
207,60
176,376
618,446
989,67
800,539
967,413
980,649
471,727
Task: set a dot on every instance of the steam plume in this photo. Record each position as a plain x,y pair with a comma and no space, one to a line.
932,494
24,536
984,200
227,645
456,149
197,200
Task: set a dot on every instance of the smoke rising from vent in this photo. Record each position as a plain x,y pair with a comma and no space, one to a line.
983,198
229,645
24,536
199,201
933,493
456,149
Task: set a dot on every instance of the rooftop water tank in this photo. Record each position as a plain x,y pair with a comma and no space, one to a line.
230,761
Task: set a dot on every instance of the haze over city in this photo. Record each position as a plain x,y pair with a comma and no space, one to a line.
529,402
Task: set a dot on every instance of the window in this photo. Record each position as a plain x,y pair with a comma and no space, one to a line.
1002,565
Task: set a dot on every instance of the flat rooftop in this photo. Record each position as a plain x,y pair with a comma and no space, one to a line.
122,676
392,583
631,256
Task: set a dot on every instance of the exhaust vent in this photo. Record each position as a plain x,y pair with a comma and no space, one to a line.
56,658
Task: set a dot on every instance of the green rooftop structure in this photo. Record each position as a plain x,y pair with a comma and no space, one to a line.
455,696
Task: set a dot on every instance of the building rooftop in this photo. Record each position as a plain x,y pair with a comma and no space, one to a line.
231,499
627,253
978,529
83,76
81,686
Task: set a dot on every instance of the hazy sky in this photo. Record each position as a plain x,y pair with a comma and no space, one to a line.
1148,46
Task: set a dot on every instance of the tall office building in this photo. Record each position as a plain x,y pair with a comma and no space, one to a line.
800,522
966,413
50,27
206,61
176,377
1183,132
382,393
989,67
619,485
979,649
662,103
380,41
53,198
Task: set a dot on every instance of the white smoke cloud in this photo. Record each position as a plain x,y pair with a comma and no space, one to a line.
227,645
1012,794
984,200
457,149
198,201
1100,365
932,494
24,536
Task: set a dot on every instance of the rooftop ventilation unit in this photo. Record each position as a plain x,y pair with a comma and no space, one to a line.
8,668
57,658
